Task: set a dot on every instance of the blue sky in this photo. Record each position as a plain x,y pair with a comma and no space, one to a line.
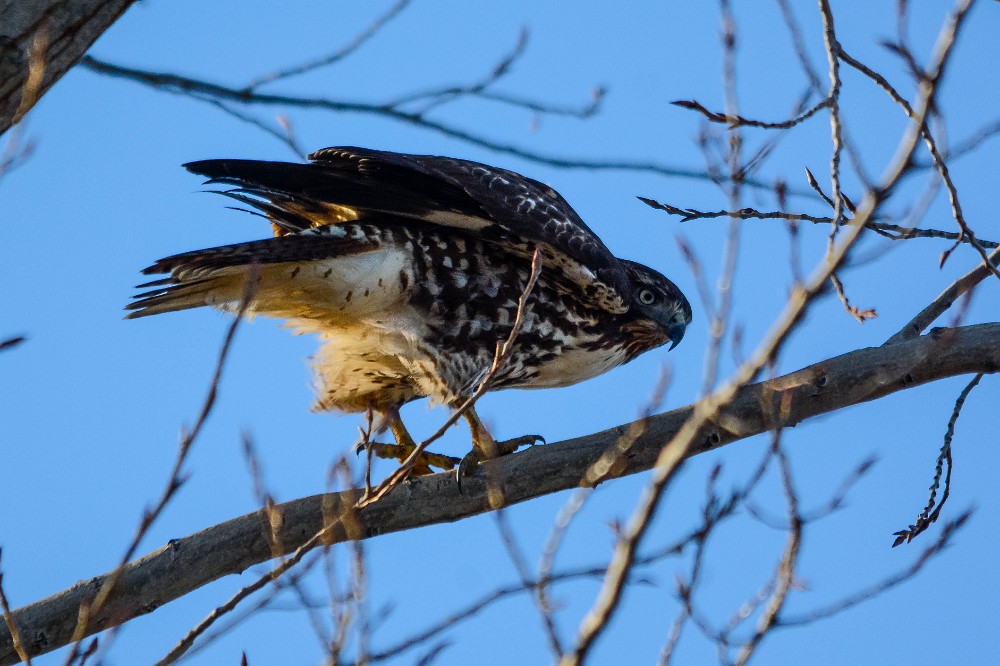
91,405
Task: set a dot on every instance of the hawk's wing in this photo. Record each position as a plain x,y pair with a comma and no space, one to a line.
493,204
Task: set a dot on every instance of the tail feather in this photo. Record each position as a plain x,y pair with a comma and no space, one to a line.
183,296
313,275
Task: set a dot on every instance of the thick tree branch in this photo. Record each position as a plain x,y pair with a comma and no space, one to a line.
228,548
64,29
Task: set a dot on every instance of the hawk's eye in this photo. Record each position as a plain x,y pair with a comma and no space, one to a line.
647,297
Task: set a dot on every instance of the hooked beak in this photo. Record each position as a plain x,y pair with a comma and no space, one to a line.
676,333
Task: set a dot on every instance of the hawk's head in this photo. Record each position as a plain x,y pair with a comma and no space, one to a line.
658,301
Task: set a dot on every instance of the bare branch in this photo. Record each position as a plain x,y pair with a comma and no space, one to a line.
540,598
836,130
437,96
360,40
229,548
201,90
886,229
974,141
712,510
487,600
879,80
706,411
945,299
93,606
15,636
860,315
788,16
943,540
316,539
785,575
932,511
10,343
284,134
936,157
739,121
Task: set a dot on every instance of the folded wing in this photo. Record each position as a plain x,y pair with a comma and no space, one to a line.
498,206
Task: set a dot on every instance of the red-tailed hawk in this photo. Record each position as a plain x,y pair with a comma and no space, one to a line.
410,268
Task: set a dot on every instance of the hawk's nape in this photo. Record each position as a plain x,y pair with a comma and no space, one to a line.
410,269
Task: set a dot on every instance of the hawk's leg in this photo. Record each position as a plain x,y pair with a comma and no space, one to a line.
484,447
405,445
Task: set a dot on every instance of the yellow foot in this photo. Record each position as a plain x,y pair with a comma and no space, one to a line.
468,464
425,461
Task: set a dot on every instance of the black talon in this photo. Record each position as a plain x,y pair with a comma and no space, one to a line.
467,467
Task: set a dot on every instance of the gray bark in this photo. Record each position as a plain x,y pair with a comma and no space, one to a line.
229,548
65,30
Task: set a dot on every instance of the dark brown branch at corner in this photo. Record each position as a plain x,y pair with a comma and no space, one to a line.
64,28
229,548
10,343
887,229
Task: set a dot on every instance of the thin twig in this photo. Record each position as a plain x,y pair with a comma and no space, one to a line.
606,465
686,589
711,519
785,576
944,300
359,40
270,515
674,452
734,121
200,90
879,80
966,146
591,108
932,511
719,324
800,48
836,501
435,97
833,58
176,478
474,607
860,315
346,520
8,619
10,343
284,135
541,600
886,229
937,159
942,542
266,602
